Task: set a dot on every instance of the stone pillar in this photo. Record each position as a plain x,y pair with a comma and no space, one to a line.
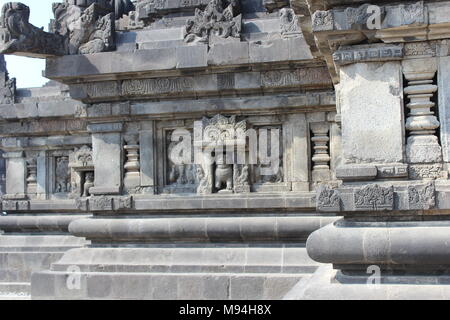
321,157
132,166
422,147
107,157
31,177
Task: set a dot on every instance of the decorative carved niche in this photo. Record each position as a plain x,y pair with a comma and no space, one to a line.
221,151
181,175
82,171
260,177
222,155
59,177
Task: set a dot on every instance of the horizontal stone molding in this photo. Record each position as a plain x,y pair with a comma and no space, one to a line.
177,59
280,259
17,124
199,85
41,223
381,243
355,55
217,229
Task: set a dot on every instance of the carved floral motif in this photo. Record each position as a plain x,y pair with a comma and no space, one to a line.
374,197
327,199
422,197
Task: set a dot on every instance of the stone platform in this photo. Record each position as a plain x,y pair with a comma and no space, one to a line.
31,243
239,257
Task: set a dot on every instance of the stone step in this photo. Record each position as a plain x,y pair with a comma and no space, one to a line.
284,259
18,266
165,286
47,249
15,297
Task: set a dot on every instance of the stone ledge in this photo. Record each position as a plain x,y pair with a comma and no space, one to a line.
174,58
194,229
164,286
194,203
38,223
387,244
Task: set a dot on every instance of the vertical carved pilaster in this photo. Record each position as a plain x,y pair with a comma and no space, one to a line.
321,158
31,176
132,164
422,145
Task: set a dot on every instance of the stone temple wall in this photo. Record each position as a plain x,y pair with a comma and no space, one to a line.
206,149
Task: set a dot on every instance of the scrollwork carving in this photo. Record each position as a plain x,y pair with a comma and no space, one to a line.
374,197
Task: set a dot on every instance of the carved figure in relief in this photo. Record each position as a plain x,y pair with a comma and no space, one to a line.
62,183
204,186
181,171
224,175
88,184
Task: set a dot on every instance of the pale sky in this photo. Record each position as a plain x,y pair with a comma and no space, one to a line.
28,71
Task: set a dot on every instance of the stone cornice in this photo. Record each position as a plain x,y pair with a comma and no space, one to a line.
402,22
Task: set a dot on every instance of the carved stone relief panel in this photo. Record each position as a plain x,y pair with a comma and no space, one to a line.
82,171
60,177
181,173
222,154
269,170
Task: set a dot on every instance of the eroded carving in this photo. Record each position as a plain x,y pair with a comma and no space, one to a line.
217,168
88,30
328,199
217,20
289,23
62,175
241,179
422,197
88,184
344,57
78,28
374,198
322,21
18,35
425,171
